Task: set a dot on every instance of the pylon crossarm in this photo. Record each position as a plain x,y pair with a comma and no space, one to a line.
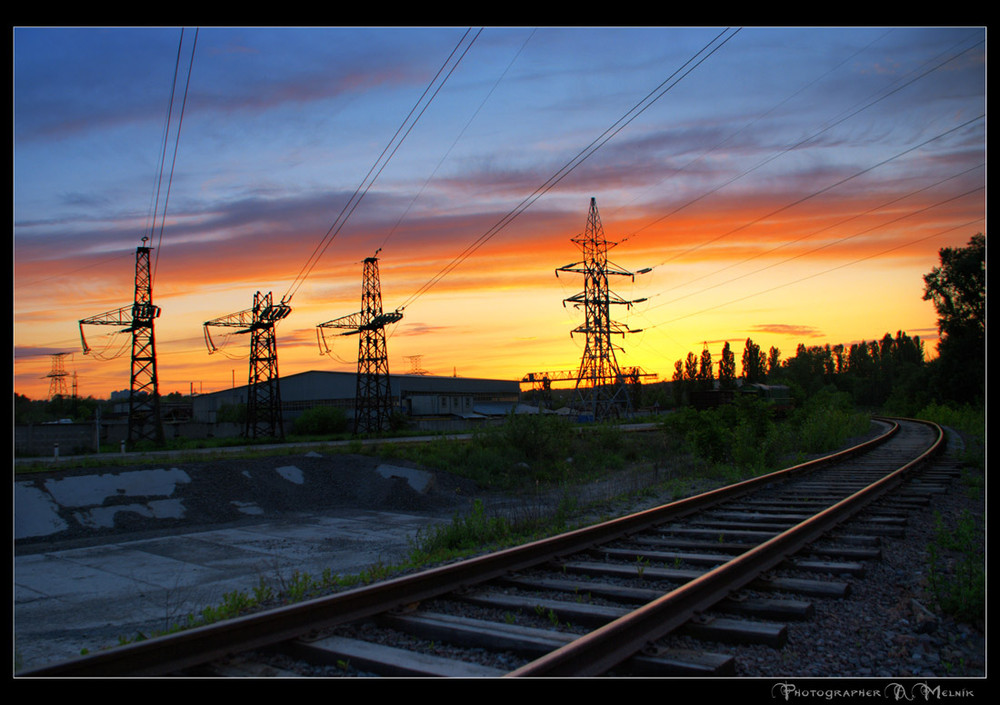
575,268
118,317
382,320
350,323
273,313
240,319
611,268
121,317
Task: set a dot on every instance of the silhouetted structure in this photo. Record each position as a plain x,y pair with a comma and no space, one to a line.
57,375
144,422
373,401
264,418
602,389
543,382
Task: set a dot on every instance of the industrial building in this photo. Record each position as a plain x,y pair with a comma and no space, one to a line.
426,400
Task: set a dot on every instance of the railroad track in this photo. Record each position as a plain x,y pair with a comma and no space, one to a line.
732,564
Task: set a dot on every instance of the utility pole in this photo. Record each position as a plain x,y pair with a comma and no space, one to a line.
264,417
144,422
373,398
601,387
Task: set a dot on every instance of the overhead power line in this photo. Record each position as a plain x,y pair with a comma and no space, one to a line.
821,191
690,65
829,244
177,139
798,145
831,269
433,88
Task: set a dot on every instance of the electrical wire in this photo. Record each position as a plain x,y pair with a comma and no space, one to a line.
456,140
829,244
831,269
798,145
177,138
824,190
714,148
690,65
387,153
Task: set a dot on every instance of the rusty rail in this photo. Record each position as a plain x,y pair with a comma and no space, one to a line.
175,652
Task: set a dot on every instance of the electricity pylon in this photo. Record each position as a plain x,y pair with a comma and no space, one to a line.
601,387
57,375
144,422
373,398
264,417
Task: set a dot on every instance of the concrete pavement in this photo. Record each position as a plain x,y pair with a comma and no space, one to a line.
88,592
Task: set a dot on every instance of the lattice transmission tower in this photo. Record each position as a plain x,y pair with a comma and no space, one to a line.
373,399
602,389
57,375
144,421
264,415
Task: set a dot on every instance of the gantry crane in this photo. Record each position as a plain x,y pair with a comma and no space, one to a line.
144,422
543,382
373,398
264,418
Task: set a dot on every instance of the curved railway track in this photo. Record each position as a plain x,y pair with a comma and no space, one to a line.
731,564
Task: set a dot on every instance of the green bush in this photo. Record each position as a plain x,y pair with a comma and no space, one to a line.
957,570
536,437
748,436
465,532
321,421
970,421
232,413
826,420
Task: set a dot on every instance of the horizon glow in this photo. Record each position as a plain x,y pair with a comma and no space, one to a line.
793,188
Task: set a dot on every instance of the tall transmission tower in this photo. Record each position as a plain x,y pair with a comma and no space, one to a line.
601,387
144,421
264,417
57,375
373,399
415,368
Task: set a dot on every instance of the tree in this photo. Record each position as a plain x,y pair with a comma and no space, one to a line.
754,363
691,368
773,361
678,382
958,290
727,368
705,375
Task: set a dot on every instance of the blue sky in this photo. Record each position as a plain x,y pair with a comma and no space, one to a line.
793,186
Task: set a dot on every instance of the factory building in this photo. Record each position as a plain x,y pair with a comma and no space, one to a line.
426,400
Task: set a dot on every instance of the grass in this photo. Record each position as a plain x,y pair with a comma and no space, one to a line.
970,422
957,568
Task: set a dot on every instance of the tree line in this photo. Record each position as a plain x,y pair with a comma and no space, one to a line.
892,372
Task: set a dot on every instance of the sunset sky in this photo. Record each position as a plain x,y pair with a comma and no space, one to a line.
788,185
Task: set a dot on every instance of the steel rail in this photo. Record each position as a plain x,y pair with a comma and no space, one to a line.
175,652
610,645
